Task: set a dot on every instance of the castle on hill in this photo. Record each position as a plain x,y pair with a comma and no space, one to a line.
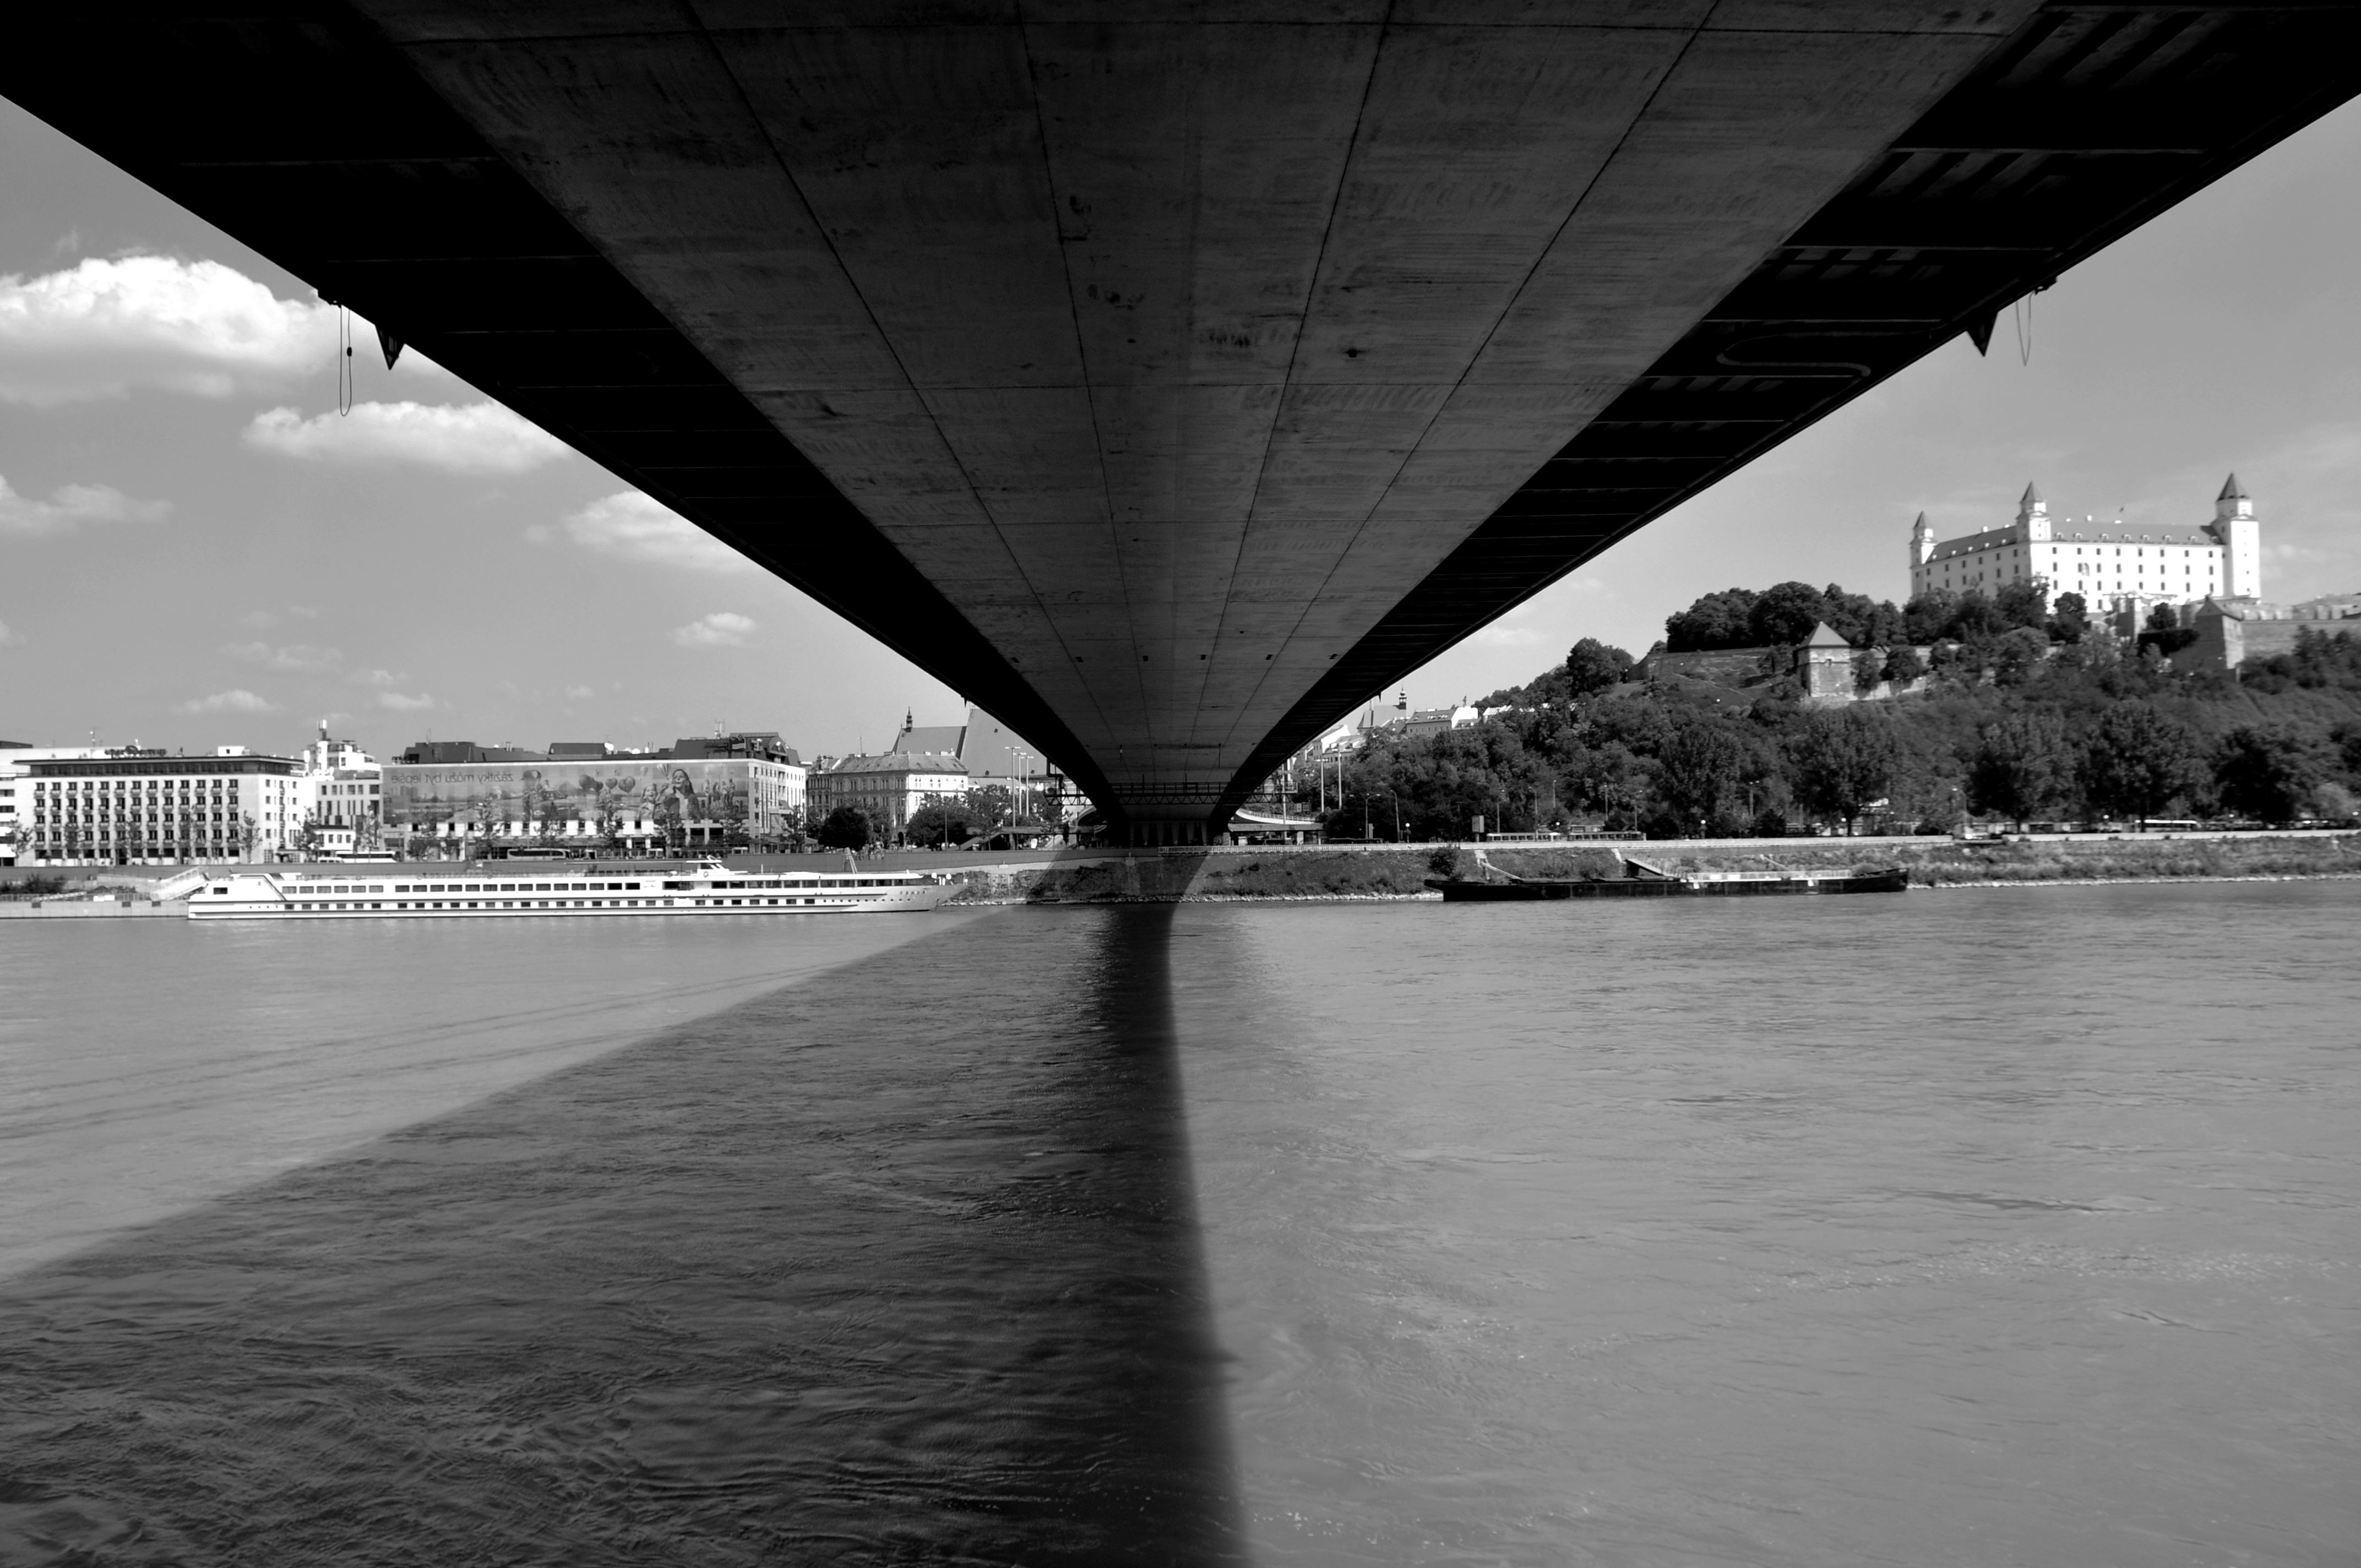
2120,575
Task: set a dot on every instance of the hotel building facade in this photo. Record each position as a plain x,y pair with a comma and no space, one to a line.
127,805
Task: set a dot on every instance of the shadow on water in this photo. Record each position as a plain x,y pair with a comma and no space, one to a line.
896,1266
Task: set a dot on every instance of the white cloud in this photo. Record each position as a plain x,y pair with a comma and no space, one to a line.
70,506
397,702
296,656
1508,636
722,628
580,694
102,327
458,438
235,700
630,527
375,678
10,637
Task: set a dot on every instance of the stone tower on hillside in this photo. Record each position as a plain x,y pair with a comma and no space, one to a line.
2240,531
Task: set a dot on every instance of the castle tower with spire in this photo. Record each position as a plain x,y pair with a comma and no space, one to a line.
2240,531
1922,543
2033,515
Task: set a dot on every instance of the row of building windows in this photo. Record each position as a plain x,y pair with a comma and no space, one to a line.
92,790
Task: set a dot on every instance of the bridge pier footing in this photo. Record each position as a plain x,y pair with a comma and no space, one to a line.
1158,833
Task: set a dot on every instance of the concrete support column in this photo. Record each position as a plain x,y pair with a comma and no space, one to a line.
1151,832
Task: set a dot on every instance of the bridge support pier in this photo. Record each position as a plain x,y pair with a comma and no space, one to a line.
1169,832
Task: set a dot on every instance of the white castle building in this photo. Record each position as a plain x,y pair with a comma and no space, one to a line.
2112,571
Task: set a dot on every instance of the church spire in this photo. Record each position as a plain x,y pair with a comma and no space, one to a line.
2232,490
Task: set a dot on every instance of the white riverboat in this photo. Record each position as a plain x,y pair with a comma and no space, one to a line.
493,890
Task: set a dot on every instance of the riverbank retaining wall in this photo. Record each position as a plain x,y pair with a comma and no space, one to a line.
91,909
1401,872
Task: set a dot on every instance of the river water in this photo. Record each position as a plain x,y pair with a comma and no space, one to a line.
1978,1227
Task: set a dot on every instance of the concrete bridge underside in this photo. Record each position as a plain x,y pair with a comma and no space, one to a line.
1170,378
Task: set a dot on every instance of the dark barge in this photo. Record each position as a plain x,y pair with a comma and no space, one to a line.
1641,879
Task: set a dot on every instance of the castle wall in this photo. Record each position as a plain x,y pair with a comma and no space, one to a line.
2268,639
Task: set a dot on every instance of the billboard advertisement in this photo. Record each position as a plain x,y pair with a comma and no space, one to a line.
615,791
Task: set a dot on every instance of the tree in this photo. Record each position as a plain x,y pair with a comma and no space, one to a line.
2165,633
733,814
792,827
1609,779
846,827
1592,666
2269,770
1928,616
1787,615
1716,621
1843,761
1973,617
602,820
2021,765
1859,619
2022,604
1432,785
992,804
1698,769
2137,759
939,824
1868,669
1903,664
2069,618
2016,654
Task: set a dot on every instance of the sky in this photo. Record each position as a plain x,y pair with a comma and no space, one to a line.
196,548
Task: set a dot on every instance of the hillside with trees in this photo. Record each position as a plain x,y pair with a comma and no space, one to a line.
2028,713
